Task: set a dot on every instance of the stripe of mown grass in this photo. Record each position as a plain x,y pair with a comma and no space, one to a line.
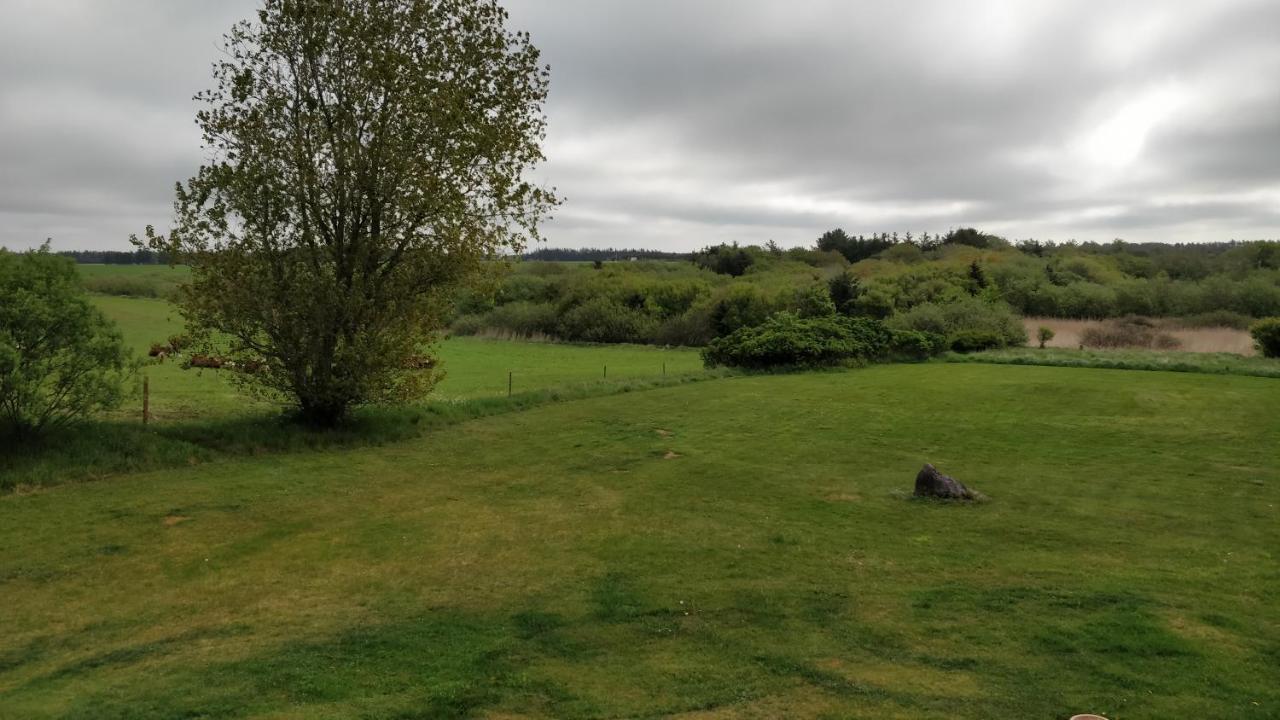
1154,360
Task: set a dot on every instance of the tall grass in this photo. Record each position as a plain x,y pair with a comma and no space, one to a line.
1193,337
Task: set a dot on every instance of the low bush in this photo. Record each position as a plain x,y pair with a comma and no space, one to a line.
968,341
602,320
60,359
1266,333
1130,332
1044,335
916,344
786,340
1217,318
972,320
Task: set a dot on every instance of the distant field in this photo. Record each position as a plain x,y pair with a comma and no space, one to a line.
148,281
475,368
1198,340
738,548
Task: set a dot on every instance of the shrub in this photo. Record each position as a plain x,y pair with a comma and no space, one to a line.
813,302
1266,333
967,341
1044,335
786,340
606,321
524,318
1129,332
725,259
916,344
738,307
60,359
692,329
966,315
1216,318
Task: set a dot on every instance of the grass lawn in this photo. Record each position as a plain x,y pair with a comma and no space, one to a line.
734,548
1161,360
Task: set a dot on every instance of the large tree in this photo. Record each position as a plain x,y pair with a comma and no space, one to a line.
366,158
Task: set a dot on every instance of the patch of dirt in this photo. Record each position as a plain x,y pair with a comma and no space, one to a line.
671,455
843,497
171,520
664,433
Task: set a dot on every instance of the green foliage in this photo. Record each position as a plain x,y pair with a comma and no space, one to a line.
604,320
517,319
916,344
853,248
725,259
1044,335
968,341
786,340
844,290
740,306
814,302
60,359
1266,333
974,321
367,159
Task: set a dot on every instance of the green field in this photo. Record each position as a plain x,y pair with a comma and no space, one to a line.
735,548
474,367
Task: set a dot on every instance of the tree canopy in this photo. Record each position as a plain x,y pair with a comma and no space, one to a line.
366,159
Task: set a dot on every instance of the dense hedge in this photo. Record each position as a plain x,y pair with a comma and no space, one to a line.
786,340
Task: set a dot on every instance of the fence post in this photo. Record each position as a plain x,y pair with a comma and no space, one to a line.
664,369
606,372
510,374
146,399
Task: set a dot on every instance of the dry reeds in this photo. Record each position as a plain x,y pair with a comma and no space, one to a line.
1071,334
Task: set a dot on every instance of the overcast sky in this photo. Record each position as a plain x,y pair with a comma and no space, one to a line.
679,123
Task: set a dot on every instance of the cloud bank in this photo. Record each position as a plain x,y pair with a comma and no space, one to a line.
675,124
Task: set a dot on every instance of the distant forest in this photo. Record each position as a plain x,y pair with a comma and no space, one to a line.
601,255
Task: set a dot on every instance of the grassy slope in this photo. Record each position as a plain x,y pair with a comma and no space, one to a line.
559,563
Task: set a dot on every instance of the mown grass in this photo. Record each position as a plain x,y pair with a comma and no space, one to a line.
735,548
1158,360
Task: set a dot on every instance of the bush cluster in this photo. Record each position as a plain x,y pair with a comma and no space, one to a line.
787,340
1266,333
968,324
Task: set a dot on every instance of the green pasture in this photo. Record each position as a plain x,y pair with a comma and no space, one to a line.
741,547
473,367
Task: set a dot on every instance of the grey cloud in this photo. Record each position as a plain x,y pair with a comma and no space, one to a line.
678,123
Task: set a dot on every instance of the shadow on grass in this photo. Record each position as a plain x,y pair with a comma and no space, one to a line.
96,449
